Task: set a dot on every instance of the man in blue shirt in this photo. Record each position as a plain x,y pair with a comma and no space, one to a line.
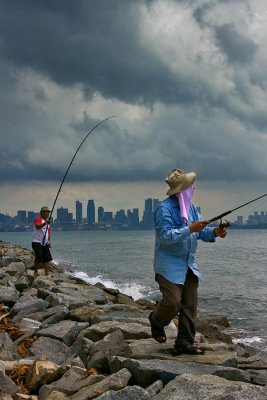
178,226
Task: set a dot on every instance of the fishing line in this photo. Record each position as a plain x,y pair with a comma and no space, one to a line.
66,173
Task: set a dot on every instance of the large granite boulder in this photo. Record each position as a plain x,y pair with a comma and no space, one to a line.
209,387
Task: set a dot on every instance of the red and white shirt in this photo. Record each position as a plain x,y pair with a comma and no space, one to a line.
42,235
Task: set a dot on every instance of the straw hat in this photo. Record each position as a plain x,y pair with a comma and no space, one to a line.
179,180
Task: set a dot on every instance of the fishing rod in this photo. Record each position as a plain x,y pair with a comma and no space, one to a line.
66,173
227,223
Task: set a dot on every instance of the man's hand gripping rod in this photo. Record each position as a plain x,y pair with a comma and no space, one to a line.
219,217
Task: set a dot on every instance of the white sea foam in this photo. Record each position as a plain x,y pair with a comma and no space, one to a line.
248,340
130,289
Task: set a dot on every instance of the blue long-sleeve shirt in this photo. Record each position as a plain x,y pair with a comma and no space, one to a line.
175,245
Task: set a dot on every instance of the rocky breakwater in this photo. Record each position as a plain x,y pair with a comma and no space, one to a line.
61,338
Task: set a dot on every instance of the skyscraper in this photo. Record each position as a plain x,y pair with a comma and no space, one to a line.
31,216
63,215
135,217
148,221
148,205
79,212
100,214
21,217
90,213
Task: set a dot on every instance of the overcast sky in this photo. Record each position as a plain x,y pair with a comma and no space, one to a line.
186,80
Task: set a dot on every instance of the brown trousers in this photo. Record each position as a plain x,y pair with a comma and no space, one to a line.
178,299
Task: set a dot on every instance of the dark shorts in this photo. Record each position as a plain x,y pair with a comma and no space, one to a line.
42,253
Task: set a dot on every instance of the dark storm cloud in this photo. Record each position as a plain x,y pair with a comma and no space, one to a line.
237,47
96,45
93,43
207,116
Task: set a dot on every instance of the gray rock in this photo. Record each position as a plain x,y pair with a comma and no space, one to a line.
43,293
28,334
26,305
155,388
6,397
150,349
64,330
29,324
53,350
5,261
57,317
146,304
115,381
28,260
258,377
209,387
44,282
111,291
254,362
77,362
70,300
122,311
42,315
78,303
8,365
56,396
101,352
145,372
85,313
55,300
130,330
4,278
128,393
15,267
8,350
9,295
7,386
22,283
124,299
82,292
81,348
31,291
71,382
213,331
59,271
110,315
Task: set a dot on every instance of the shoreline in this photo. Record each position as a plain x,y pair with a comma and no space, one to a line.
136,290
63,338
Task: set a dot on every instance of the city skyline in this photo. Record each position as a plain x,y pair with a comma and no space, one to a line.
92,214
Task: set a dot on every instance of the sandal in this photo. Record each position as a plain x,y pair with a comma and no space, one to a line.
157,333
189,349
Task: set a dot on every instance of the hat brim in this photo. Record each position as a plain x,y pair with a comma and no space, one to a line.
190,178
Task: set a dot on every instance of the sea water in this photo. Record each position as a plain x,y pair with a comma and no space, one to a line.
234,271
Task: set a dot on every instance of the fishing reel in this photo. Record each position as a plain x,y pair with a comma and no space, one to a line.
225,224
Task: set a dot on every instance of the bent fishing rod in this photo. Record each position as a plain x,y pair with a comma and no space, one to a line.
66,173
227,223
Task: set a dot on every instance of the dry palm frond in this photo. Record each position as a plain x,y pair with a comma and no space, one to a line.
18,375
23,348
4,315
91,371
6,325
12,329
